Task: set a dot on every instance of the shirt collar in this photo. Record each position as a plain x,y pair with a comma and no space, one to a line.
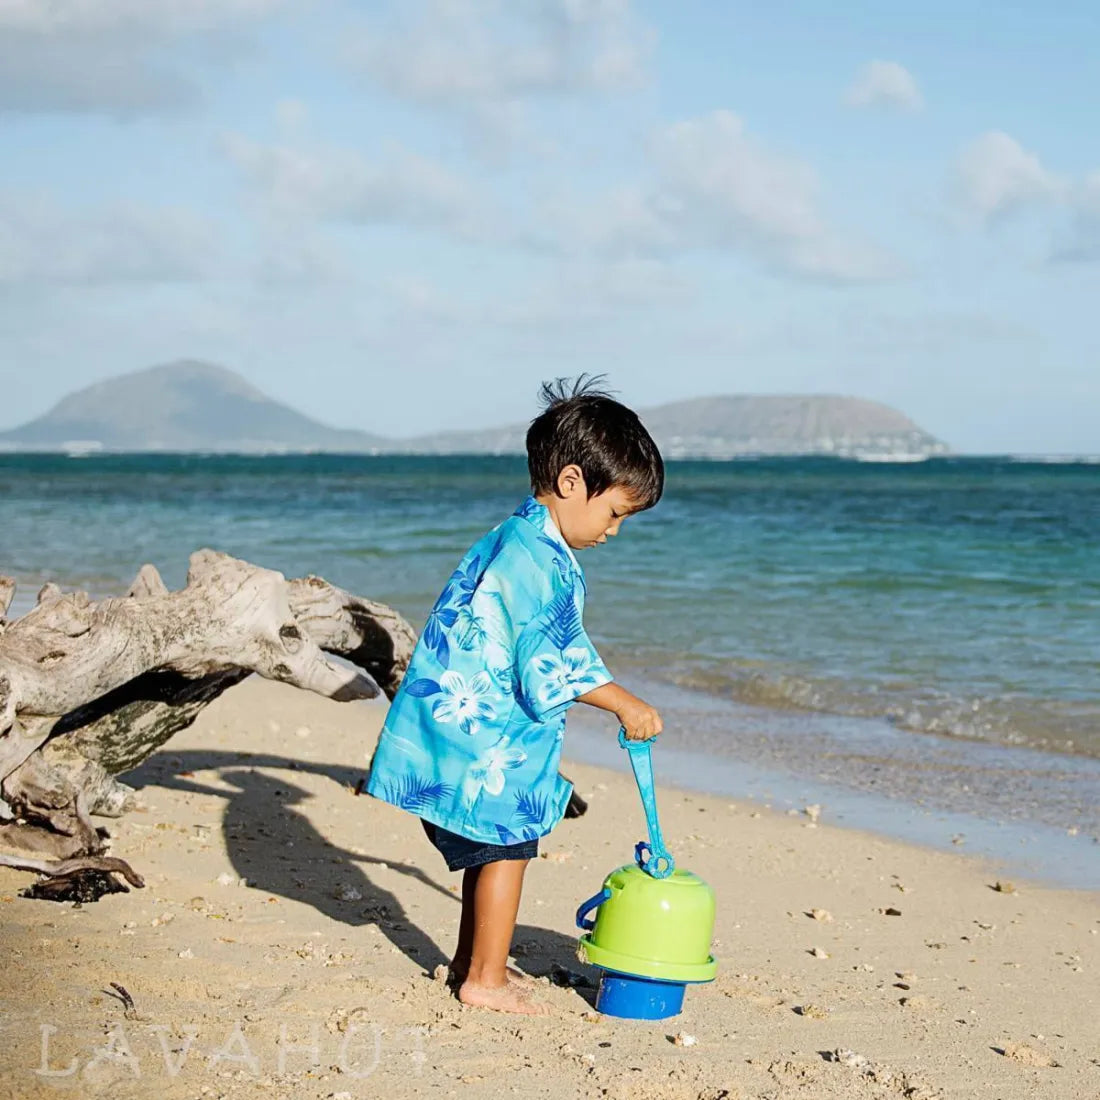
539,515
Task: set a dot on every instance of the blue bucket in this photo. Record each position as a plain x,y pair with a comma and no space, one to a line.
634,998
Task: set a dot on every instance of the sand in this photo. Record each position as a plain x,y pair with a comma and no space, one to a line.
283,944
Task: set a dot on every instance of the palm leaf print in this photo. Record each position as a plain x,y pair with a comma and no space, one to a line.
509,837
563,624
531,809
415,793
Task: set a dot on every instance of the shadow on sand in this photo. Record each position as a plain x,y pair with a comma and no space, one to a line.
275,846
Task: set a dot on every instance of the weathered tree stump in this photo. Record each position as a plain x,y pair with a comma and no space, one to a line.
90,689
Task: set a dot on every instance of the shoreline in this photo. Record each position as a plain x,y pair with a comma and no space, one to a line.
1041,854
1036,813
344,909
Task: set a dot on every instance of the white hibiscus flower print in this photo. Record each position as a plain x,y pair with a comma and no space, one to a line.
562,676
465,702
487,772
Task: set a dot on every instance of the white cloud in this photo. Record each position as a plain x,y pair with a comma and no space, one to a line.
711,186
87,76
733,184
315,183
1082,241
443,51
628,220
42,242
597,291
997,176
884,84
486,59
301,260
161,16
722,188
577,292
112,56
716,187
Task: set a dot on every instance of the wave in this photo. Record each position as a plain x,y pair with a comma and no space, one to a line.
1056,460
1053,726
892,457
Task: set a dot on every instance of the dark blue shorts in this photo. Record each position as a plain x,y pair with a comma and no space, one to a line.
460,852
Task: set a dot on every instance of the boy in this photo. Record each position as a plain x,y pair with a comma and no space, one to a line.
472,741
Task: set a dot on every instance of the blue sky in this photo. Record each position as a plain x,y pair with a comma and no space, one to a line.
400,217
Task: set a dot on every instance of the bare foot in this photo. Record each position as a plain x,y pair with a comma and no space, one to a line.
455,978
518,976
510,997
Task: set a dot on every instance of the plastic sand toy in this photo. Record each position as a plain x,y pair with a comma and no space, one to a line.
652,930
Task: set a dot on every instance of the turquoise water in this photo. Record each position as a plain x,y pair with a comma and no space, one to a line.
923,636
956,597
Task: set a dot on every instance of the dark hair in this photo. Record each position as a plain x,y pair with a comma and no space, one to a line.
582,425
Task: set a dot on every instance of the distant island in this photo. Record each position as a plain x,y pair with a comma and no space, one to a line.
190,406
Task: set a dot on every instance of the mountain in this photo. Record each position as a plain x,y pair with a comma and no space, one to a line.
183,406
191,406
725,427
722,427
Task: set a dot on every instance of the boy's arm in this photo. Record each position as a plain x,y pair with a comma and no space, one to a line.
636,716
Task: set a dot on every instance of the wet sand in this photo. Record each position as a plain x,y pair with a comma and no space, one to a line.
1035,812
284,942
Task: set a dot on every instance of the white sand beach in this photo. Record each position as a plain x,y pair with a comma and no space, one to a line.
285,938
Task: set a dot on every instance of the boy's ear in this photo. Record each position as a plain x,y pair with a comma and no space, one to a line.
571,481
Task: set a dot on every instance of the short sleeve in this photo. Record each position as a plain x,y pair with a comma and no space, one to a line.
555,659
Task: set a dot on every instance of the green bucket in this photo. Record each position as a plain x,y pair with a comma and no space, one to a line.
653,927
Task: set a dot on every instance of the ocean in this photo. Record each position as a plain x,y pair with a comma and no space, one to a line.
919,633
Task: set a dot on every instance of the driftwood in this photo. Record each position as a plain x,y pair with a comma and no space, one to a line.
90,689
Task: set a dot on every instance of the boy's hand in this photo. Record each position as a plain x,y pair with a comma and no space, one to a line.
640,721
636,716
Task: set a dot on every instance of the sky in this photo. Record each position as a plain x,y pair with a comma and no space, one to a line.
400,217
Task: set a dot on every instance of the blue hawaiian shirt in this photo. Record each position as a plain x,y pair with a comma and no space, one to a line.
473,737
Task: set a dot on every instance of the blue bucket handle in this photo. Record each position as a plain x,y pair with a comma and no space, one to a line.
659,862
587,906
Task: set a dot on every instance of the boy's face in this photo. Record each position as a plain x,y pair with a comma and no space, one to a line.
588,521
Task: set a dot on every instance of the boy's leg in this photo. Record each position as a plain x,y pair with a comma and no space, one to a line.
495,893
460,964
